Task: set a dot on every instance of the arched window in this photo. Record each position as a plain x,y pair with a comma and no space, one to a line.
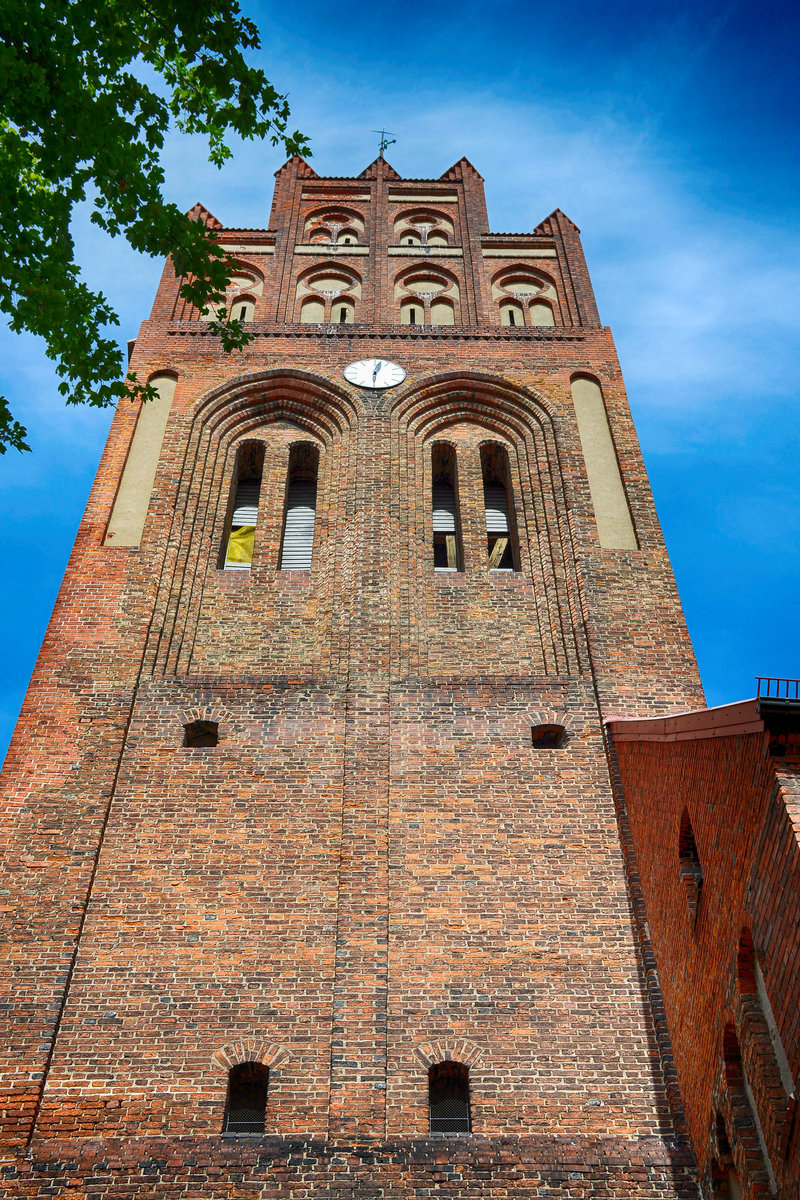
541,313
312,312
750,981
442,313
342,312
243,309
736,1078
246,1105
444,497
690,868
297,543
448,1097
500,546
412,313
547,737
239,545
511,314
201,733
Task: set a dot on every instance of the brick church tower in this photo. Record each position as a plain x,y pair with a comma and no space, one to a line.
318,883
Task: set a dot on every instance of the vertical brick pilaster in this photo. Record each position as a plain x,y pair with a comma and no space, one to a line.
358,1032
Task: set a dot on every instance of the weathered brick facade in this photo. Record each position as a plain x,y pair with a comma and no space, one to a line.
375,869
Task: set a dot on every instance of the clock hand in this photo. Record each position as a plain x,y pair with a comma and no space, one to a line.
378,366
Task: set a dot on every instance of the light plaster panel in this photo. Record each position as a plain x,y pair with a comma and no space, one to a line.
136,486
612,515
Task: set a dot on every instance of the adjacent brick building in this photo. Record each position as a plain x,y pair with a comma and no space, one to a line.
317,878
712,799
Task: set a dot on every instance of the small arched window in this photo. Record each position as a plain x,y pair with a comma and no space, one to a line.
750,981
412,313
448,1098
511,314
201,733
243,309
690,868
342,312
444,498
541,313
442,313
500,547
246,1105
312,312
241,535
297,543
547,737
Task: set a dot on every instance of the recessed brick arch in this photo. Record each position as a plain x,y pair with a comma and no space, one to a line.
206,442
477,407
269,1054
448,1050
214,714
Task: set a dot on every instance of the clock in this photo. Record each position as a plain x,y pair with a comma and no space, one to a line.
374,373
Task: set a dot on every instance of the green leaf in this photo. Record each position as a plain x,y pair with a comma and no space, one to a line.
75,120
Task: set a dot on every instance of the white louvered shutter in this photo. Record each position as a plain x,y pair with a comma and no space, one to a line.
444,508
496,505
245,506
298,533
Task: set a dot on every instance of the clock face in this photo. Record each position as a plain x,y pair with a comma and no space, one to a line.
374,373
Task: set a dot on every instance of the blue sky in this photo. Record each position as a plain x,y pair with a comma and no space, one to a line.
669,135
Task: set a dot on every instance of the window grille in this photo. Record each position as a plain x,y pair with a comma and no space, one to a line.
246,1105
448,1097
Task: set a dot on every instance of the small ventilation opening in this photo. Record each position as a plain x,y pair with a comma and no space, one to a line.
247,1100
547,737
448,1094
201,733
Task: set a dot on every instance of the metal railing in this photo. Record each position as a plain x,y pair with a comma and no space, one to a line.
771,688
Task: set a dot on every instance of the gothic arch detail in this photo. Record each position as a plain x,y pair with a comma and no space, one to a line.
283,405
476,408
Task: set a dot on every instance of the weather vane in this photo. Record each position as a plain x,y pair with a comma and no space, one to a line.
386,140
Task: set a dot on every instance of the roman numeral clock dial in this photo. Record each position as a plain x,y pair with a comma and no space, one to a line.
375,373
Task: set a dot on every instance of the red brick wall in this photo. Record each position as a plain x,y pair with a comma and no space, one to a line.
742,807
374,862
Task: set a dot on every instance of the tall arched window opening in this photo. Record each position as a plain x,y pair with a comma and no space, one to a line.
690,868
500,546
448,1098
246,1105
297,543
241,535
444,497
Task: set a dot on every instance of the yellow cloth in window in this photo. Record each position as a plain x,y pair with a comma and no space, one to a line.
240,546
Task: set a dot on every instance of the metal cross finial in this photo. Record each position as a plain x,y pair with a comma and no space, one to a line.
386,140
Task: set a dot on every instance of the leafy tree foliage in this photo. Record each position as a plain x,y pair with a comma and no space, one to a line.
79,123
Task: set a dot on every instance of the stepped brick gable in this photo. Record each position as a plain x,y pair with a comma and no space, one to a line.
320,879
